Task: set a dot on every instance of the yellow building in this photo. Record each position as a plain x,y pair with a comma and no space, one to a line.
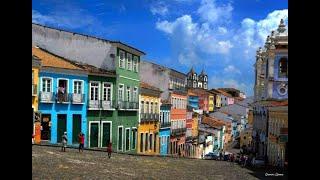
278,135
195,125
250,117
36,63
148,130
211,103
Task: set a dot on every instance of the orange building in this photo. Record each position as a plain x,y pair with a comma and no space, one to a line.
178,122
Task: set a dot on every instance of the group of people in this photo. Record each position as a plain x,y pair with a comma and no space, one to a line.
81,137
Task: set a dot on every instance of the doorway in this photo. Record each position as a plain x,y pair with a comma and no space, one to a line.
94,134
106,133
76,127
62,126
46,127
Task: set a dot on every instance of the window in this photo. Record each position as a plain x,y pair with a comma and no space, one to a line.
94,91
128,94
121,59
142,106
46,85
127,139
77,87
152,108
107,91
120,138
147,108
134,137
135,64
283,67
135,94
194,84
156,106
129,61
120,92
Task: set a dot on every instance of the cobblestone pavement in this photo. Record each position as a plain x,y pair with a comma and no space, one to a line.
50,163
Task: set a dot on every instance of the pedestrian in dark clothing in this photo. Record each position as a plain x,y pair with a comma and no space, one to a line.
81,142
109,149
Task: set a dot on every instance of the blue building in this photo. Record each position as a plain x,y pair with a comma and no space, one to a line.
164,132
62,98
193,102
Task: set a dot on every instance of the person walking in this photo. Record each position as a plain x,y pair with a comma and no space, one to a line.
64,142
109,149
81,141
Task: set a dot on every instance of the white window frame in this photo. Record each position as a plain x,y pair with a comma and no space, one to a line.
122,92
136,63
124,59
51,79
58,79
97,92
130,94
129,67
82,85
118,139
125,136
135,94
105,88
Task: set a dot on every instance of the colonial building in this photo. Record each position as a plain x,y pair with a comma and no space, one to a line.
271,84
36,124
195,81
63,98
148,131
165,124
172,83
216,98
108,55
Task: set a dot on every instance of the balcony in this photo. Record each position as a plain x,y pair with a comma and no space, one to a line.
34,90
149,117
125,105
165,125
47,97
101,105
62,97
77,98
178,132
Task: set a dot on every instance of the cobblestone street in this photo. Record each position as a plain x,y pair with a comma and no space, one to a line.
50,163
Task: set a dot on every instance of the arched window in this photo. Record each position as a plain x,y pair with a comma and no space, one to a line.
283,67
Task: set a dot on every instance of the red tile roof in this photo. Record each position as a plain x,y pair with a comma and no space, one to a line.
148,86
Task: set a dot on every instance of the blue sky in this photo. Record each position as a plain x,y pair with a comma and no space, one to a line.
220,36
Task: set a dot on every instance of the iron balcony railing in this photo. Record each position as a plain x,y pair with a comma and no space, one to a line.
178,131
165,124
47,97
77,98
149,117
128,105
34,90
101,104
62,97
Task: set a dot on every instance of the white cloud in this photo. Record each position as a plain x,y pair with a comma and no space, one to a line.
191,40
210,12
231,69
253,34
222,30
159,8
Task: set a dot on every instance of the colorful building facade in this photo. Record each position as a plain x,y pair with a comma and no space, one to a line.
62,98
165,124
148,130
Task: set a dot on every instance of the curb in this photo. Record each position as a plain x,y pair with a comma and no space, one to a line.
101,150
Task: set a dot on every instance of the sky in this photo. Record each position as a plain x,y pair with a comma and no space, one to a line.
219,36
